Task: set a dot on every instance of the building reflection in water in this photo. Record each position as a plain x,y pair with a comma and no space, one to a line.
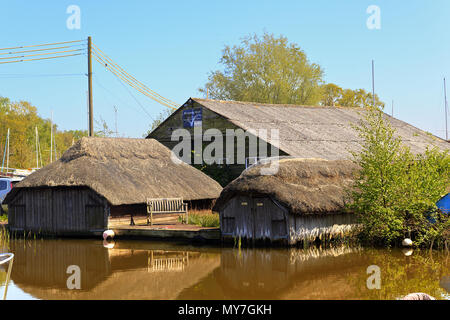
158,270
123,272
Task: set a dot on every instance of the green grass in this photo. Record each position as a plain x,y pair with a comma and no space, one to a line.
205,219
4,237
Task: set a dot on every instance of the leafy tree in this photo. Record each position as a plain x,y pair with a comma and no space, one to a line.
359,98
160,118
22,119
266,69
395,192
331,95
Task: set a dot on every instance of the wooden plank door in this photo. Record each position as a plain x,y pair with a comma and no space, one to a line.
262,208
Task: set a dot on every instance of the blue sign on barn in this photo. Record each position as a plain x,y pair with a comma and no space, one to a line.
192,118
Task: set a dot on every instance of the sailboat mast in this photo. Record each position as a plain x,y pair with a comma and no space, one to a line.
51,138
37,149
7,155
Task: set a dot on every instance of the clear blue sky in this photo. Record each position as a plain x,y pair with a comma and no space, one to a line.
171,46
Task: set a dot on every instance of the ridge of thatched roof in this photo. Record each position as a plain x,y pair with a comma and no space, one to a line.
303,186
123,171
314,131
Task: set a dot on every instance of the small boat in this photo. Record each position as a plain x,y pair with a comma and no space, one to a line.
4,259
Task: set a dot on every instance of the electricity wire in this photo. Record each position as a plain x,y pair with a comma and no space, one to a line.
41,45
41,54
46,58
126,74
46,49
105,64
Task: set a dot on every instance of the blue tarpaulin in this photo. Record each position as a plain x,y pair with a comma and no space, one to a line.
444,204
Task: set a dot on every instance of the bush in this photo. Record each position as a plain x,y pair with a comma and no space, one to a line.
395,192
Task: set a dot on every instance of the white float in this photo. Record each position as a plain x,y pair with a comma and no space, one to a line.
407,242
108,234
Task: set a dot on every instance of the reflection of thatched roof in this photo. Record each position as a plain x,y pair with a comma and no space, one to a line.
304,186
132,284
124,171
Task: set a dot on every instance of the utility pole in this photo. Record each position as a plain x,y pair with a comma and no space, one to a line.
445,98
392,108
91,115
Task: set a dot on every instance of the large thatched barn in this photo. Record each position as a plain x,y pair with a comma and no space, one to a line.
303,200
100,178
304,131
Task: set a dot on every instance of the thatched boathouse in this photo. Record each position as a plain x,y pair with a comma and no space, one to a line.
304,200
102,178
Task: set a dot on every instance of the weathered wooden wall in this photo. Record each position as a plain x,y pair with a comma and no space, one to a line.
326,226
254,218
57,211
210,120
261,218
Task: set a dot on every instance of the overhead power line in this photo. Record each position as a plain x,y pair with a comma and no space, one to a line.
46,58
102,62
41,45
130,80
55,50
45,49
34,75
126,74
147,92
41,54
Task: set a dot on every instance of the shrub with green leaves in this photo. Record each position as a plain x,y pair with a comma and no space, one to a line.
395,192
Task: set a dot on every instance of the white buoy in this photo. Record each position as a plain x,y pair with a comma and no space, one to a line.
407,242
108,244
418,296
407,252
108,234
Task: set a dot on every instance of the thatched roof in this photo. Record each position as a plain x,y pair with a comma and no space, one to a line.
304,186
313,131
124,171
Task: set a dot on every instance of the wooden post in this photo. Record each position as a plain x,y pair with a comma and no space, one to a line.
151,214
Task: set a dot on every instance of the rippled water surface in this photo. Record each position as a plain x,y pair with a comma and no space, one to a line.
159,270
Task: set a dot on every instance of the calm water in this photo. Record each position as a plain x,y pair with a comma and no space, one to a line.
157,270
